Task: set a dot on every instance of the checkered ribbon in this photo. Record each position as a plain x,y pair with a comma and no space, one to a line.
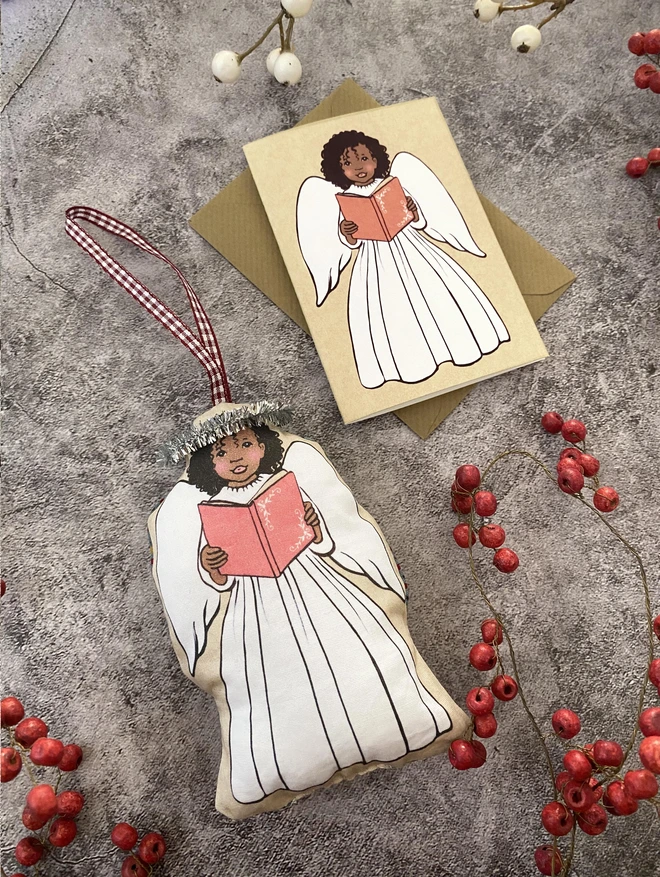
204,345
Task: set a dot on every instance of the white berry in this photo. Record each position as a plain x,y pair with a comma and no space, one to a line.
287,69
526,38
271,59
226,67
486,10
297,8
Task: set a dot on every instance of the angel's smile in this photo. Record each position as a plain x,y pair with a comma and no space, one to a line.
238,470
362,174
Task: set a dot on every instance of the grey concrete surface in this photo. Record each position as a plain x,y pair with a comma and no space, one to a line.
121,112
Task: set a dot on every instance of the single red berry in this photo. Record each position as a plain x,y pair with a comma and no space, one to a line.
561,779
461,503
464,536
504,687
566,724
552,422
133,867
654,82
42,801
491,535
636,44
485,503
480,701
570,479
479,754
593,821
506,560
643,74
28,851
491,631
124,836
12,711
62,831
69,803
461,754
485,726
654,671
482,656
640,784
589,464
31,821
571,464
577,764
3,587
72,757
649,722
596,788
649,753
557,819
152,848
607,753
617,801
10,763
30,729
654,156
656,621
578,796
606,499
637,166
468,477
46,751
548,860
652,42
571,454
574,431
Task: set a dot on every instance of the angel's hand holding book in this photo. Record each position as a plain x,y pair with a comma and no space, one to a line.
410,204
312,519
212,559
348,229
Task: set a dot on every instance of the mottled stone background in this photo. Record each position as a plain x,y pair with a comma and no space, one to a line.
115,107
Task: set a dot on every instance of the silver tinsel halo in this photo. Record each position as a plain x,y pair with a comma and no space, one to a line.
224,423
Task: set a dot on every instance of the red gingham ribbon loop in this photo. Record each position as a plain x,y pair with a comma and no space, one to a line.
204,345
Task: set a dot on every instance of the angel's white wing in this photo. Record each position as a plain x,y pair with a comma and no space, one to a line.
358,545
317,218
190,604
444,221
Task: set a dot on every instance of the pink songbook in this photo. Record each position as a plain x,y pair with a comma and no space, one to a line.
264,536
379,216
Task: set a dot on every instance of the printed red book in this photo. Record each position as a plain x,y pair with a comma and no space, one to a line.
264,536
381,215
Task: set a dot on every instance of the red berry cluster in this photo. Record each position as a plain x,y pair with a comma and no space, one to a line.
45,810
575,463
647,44
467,500
150,850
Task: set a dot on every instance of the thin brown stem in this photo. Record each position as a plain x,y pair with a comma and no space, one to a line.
550,17
270,27
289,31
566,869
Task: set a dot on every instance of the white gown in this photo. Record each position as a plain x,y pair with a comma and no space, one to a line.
317,678
410,306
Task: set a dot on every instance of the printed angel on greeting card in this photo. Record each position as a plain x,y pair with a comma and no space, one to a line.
411,307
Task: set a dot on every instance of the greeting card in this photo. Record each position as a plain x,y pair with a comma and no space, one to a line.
398,320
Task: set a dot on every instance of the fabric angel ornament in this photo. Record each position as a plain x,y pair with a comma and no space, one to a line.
411,307
282,597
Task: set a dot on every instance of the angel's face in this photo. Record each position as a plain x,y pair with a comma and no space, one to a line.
358,165
236,458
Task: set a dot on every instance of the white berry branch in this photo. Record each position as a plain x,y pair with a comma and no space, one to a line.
527,37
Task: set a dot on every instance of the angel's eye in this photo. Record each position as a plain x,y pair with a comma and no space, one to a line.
219,454
247,444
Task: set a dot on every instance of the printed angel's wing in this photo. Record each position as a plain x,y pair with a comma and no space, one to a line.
190,604
317,218
444,221
358,545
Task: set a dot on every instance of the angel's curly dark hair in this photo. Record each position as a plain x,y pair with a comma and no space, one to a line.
337,146
202,474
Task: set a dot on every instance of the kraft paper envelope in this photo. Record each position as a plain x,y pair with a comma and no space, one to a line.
222,222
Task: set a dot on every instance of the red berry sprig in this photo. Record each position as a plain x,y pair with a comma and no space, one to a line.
647,75
150,850
46,811
594,784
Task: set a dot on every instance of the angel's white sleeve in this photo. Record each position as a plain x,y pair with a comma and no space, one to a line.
326,545
325,253
189,602
358,546
443,220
